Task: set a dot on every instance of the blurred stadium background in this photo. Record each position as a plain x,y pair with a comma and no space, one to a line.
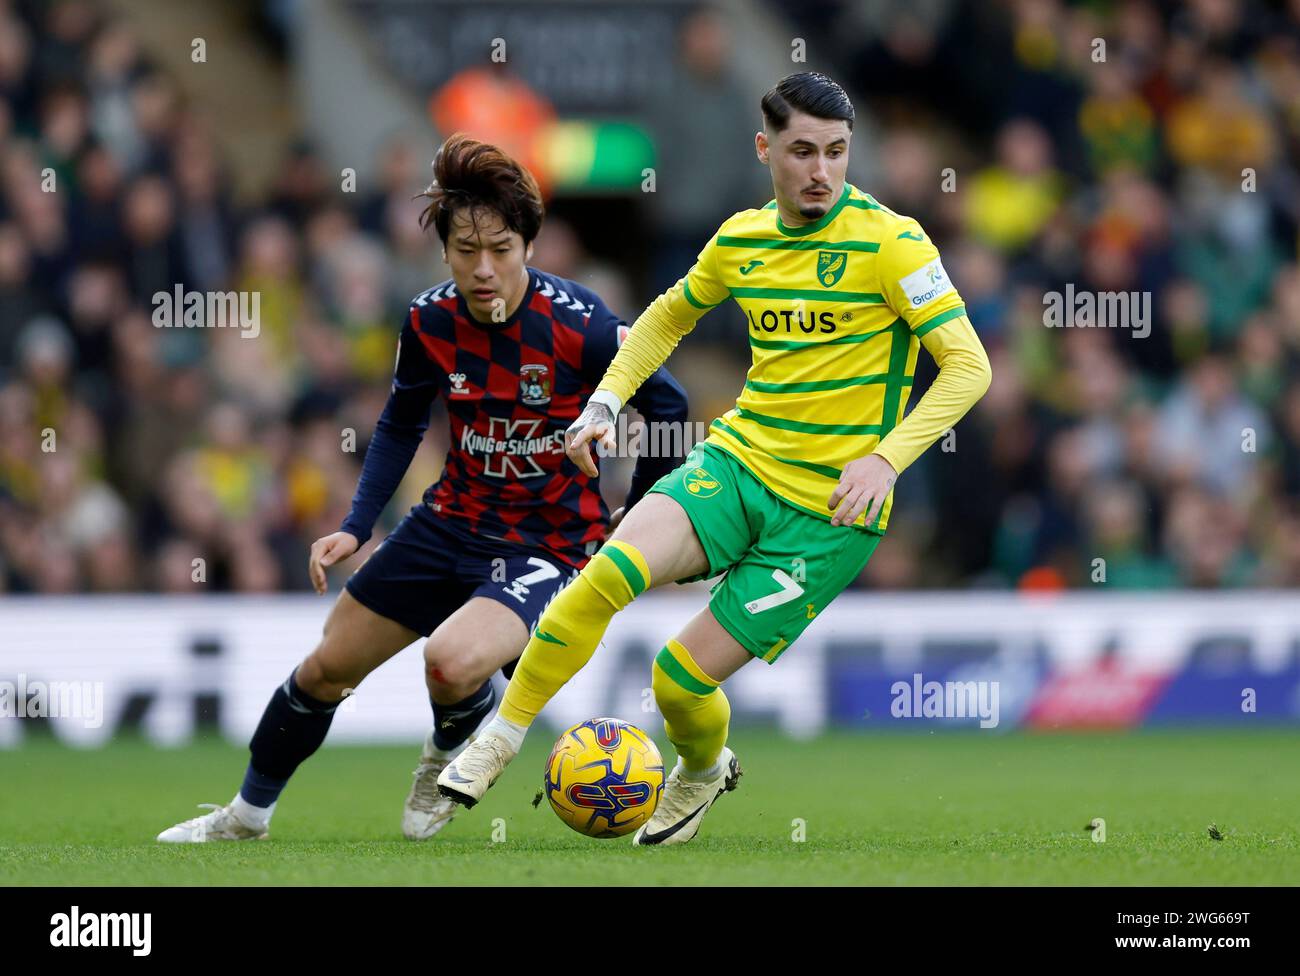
283,161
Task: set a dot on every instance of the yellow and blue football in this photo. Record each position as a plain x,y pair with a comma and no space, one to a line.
604,777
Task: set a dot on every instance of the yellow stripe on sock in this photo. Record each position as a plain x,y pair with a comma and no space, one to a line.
631,565
695,709
571,627
687,663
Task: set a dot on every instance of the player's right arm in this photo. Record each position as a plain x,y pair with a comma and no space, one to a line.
397,437
649,343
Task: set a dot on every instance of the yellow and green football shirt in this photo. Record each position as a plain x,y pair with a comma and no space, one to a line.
837,310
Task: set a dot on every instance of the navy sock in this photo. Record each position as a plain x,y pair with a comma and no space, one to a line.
259,790
453,724
292,728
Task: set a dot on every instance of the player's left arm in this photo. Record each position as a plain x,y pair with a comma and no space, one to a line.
917,287
660,399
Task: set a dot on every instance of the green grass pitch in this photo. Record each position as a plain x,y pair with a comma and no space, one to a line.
893,809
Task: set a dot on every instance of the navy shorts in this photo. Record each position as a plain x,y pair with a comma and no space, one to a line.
428,567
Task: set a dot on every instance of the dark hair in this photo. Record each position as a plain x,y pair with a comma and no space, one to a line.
472,174
810,92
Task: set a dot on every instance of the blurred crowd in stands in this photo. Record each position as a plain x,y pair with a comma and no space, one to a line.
1167,166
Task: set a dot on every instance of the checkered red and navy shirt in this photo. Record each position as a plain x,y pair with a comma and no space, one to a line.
511,390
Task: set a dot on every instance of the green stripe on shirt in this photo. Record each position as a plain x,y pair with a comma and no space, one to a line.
799,245
822,469
843,340
815,386
811,295
686,290
938,320
804,427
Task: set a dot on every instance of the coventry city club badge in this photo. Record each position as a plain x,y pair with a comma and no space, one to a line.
535,385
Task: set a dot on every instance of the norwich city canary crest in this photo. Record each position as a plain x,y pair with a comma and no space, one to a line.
701,484
830,266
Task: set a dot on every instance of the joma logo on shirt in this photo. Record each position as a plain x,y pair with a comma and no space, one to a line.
510,447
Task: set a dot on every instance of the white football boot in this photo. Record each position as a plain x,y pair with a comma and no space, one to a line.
220,824
469,775
684,803
427,811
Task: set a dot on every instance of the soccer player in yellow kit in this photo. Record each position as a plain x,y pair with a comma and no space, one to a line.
792,489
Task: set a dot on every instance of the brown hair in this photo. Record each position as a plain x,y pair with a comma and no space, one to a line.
473,174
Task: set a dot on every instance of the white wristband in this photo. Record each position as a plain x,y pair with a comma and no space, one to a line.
608,399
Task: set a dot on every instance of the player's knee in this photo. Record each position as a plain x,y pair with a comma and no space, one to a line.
453,668
324,678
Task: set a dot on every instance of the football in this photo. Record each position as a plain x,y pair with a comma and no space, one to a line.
604,777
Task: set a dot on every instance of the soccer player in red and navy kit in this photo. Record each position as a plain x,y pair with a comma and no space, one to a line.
514,352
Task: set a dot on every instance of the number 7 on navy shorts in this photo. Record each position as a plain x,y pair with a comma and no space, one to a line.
428,567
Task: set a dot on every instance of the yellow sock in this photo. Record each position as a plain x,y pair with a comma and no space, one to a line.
571,627
696,711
